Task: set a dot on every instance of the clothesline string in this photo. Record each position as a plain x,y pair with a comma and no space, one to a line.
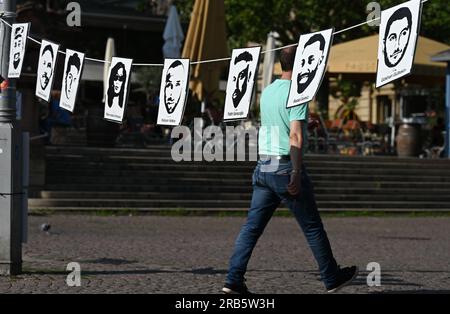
194,62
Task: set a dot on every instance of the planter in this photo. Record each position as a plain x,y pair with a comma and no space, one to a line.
408,140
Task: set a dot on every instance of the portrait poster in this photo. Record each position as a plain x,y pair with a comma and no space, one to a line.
241,81
19,34
73,68
399,31
173,92
118,88
46,69
309,66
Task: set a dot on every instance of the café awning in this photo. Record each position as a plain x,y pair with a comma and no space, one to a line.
360,56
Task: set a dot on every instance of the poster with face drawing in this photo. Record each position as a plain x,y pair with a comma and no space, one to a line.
46,69
73,67
399,30
241,80
19,34
118,87
173,92
309,66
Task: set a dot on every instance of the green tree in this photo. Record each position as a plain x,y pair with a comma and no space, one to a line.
149,79
251,20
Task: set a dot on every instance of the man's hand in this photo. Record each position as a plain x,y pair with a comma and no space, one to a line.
294,185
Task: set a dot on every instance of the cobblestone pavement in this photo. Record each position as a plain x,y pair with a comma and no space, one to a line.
190,255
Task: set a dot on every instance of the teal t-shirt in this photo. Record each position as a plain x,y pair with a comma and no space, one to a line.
276,118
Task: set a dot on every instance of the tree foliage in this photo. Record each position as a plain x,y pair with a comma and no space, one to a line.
252,20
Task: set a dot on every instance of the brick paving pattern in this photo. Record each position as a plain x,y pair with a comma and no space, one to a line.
150,254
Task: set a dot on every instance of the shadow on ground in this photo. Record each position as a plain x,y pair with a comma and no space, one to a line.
413,292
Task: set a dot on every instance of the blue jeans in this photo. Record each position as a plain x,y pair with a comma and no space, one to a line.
269,189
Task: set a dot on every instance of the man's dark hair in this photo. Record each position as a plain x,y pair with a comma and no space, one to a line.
19,32
48,48
398,15
177,63
245,56
314,38
75,61
287,58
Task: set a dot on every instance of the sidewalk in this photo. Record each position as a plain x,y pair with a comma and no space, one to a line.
190,255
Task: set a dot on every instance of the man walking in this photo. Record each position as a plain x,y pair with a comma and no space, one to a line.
280,176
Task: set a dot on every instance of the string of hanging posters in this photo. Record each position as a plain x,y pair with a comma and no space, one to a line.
398,34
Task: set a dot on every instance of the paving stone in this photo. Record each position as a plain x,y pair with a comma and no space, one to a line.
152,254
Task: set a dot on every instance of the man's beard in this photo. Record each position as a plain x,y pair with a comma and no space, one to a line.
389,63
68,92
174,105
16,62
301,87
44,81
386,59
238,94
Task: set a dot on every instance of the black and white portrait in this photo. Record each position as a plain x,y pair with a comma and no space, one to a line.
118,87
46,69
19,34
73,67
241,80
309,67
174,87
397,42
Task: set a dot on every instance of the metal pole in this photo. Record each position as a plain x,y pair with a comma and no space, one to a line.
10,151
25,183
447,113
